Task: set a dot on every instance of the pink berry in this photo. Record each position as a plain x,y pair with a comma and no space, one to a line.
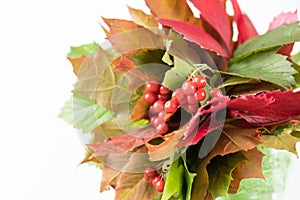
188,87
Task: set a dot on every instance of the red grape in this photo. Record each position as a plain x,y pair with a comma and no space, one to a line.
163,97
191,99
150,173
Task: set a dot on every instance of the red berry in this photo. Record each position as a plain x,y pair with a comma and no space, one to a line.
200,81
163,90
162,128
233,113
200,95
163,97
150,173
159,184
150,98
158,106
193,108
152,86
157,121
152,119
178,93
171,106
191,99
188,87
162,115
216,92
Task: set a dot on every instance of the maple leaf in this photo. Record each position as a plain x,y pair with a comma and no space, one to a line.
123,143
249,168
284,18
141,18
272,107
233,139
195,34
172,9
133,186
214,13
245,27
118,25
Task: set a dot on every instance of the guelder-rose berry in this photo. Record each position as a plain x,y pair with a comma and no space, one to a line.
153,86
150,98
150,173
191,99
163,90
171,106
200,95
162,128
216,92
188,87
163,97
193,108
179,94
158,106
200,81
159,184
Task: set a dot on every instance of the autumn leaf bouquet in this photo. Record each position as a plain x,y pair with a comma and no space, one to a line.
171,106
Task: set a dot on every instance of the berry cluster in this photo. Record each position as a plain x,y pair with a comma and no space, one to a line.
190,93
188,96
156,95
151,175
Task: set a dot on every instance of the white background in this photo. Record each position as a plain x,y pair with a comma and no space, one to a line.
39,153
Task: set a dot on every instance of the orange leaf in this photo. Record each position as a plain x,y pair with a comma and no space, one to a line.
140,110
76,63
142,19
117,25
172,9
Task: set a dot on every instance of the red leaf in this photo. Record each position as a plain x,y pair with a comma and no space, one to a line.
268,108
214,12
245,27
284,18
195,34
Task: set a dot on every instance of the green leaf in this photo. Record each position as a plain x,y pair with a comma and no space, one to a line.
237,80
275,167
296,58
179,181
83,113
87,49
284,34
282,141
267,66
220,170
178,74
